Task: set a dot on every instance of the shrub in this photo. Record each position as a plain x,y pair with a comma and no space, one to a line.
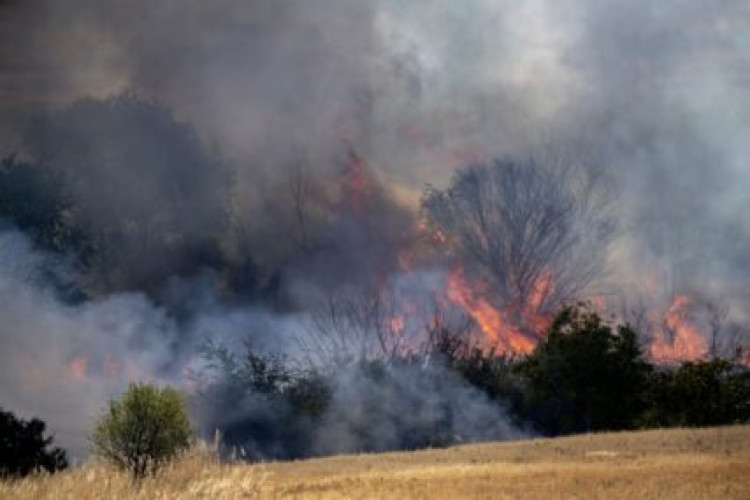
143,430
586,375
698,393
24,448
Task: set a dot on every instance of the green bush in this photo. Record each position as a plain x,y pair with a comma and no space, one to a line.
587,375
144,429
698,393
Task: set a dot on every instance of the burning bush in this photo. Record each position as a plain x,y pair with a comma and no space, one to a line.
586,375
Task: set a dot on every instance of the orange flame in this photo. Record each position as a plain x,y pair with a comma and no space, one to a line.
744,357
599,303
532,313
678,339
397,324
500,333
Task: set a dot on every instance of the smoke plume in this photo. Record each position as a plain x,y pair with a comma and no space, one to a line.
293,97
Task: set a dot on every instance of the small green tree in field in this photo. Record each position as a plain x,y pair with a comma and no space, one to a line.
143,429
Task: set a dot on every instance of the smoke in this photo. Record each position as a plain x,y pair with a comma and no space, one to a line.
657,91
64,358
652,94
368,414
362,407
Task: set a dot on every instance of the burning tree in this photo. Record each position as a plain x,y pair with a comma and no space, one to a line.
525,238
695,327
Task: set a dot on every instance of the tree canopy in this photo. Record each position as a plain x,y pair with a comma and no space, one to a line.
24,447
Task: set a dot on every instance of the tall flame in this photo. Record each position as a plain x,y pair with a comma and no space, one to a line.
501,334
678,339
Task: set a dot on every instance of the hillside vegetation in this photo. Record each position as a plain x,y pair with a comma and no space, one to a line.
662,464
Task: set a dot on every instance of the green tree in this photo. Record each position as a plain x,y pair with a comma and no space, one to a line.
699,393
586,375
25,449
144,429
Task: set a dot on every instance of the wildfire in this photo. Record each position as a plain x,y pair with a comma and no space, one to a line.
678,339
397,324
82,368
744,358
77,369
532,308
501,334
599,303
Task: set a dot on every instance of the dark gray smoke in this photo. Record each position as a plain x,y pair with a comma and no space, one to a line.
656,92
359,407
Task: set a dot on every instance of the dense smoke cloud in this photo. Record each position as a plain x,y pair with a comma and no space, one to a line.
654,95
369,408
420,88
64,358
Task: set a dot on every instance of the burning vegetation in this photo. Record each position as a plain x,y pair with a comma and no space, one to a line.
318,283
391,327
387,327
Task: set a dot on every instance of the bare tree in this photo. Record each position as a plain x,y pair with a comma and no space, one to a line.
373,324
635,313
450,338
354,326
536,234
301,187
725,336
717,317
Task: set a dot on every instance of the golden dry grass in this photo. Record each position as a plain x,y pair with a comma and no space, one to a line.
671,464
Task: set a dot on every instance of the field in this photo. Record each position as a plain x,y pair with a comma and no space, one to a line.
684,464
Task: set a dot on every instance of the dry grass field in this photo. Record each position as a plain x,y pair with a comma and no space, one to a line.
672,464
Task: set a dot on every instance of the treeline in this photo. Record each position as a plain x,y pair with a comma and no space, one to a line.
587,375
